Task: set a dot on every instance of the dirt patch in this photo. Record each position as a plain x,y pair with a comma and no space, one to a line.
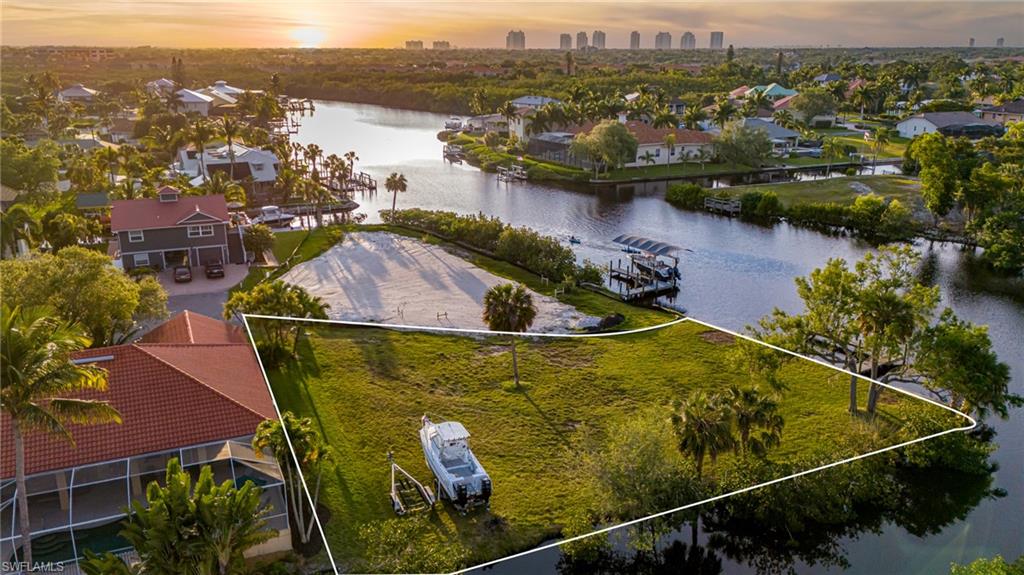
717,337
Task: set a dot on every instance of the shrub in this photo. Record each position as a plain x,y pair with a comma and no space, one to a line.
688,196
769,206
851,171
590,273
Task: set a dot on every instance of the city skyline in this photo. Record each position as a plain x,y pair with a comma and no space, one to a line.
319,23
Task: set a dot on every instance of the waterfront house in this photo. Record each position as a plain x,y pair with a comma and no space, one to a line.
191,389
533,102
1008,112
193,102
173,229
783,139
827,78
949,124
224,88
93,205
122,131
519,123
251,164
77,93
688,145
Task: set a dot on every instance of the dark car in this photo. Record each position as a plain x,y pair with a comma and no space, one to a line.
214,270
182,274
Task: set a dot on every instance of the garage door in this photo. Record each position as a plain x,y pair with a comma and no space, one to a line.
210,255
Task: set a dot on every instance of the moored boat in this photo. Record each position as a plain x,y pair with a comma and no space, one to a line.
273,217
459,476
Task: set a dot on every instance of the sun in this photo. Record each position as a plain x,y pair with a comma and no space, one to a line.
308,37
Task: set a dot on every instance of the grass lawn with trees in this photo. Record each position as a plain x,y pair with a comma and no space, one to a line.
365,390
839,190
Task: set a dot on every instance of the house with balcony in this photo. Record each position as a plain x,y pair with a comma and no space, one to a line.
191,389
174,229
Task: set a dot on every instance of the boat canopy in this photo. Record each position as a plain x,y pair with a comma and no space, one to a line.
646,244
451,431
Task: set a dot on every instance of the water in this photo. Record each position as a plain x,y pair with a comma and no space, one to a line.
735,274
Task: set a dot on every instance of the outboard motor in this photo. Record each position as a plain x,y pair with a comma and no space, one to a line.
485,489
461,495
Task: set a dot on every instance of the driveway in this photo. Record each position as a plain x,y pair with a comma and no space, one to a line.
200,284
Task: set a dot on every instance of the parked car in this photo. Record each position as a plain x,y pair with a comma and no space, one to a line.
182,274
214,270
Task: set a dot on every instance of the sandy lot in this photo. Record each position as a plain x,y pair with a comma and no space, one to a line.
386,278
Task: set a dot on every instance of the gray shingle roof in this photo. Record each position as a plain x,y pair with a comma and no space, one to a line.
944,119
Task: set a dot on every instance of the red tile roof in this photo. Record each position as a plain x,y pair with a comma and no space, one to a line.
190,327
151,213
169,396
783,103
647,134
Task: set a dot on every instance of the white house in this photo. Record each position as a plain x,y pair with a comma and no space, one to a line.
948,123
223,87
259,165
651,143
192,101
520,123
533,102
160,87
77,93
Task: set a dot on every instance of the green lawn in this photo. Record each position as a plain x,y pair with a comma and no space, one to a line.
366,388
675,170
894,149
299,245
839,190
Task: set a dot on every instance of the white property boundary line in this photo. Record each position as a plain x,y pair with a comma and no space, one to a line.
245,318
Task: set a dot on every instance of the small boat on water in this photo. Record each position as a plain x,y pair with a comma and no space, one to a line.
574,240
273,217
453,123
459,476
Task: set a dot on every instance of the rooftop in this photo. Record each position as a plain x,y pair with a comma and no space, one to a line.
944,119
150,213
1014,107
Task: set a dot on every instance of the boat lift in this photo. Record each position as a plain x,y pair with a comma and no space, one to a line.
407,494
645,273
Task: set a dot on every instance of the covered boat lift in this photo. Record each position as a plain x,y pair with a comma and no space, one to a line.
646,275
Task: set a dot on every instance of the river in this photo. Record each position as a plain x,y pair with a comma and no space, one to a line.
735,273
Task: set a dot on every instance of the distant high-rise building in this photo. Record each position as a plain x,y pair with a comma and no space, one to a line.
1000,42
565,41
634,40
663,41
971,43
598,39
717,40
581,41
442,44
414,44
689,41
515,40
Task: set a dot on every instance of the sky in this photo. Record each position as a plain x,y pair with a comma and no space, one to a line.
484,23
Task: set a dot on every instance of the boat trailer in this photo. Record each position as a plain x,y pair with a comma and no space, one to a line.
407,494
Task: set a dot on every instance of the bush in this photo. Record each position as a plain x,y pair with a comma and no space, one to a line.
688,196
851,171
590,273
769,206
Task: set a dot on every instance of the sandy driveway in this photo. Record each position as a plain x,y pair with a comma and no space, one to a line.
386,278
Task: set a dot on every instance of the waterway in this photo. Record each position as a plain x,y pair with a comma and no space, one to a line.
733,273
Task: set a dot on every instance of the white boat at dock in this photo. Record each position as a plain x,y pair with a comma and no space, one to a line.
273,217
459,476
453,123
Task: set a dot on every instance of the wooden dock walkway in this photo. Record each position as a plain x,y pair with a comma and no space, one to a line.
728,206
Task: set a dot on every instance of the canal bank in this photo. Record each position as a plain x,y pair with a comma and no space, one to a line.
736,273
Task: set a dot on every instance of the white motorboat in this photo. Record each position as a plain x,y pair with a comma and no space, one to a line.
460,477
273,217
453,123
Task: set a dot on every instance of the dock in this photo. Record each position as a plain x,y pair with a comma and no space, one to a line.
511,174
453,153
728,206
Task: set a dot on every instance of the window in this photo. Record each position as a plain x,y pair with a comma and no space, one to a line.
136,236
141,259
257,167
200,231
657,153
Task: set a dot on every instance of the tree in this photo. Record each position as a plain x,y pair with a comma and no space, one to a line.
201,528
35,360
276,298
230,129
960,367
18,224
994,566
1002,237
986,187
395,183
730,53
665,119
724,112
507,111
509,308
28,169
648,158
703,428
308,448
83,286
745,146
670,146
940,176
755,414
880,138
199,135
222,184
693,116
832,149
258,239
814,102
609,143
65,229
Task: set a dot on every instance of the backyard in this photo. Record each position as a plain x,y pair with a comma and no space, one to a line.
842,190
365,390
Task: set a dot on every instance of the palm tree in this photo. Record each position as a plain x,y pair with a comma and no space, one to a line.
648,158
862,96
313,154
108,157
703,155
352,159
288,182
395,183
18,223
37,371
230,129
670,145
509,308
693,116
703,427
507,111
879,140
784,118
758,100
831,149
725,112
307,447
200,135
665,119
752,411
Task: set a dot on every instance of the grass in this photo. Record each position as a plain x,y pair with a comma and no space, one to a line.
676,170
839,190
894,149
366,388
298,245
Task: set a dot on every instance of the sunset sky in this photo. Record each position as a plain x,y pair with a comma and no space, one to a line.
480,23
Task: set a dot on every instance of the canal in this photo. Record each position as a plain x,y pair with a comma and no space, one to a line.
734,274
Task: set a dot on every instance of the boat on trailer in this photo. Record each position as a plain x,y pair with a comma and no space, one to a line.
459,477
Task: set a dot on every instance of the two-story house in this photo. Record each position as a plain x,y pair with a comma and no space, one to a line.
174,229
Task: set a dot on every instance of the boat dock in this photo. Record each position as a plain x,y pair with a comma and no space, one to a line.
454,153
728,206
651,269
511,174
636,284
